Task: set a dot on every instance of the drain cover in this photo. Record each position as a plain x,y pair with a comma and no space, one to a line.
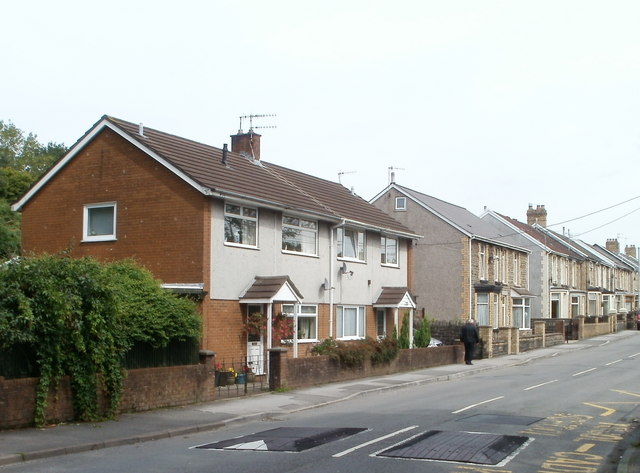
466,447
502,419
284,439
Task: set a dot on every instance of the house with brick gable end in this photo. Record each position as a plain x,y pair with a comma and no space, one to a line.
241,235
462,267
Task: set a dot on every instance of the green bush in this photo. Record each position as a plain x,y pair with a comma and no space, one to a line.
423,334
384,350
403,339
353,354
80,317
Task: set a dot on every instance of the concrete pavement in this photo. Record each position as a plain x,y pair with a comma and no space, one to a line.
32,443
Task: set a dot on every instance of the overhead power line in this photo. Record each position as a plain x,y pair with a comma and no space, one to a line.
597,211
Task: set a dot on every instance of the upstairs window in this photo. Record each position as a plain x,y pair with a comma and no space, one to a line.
299,235
389,251
351,244
240,225
99,222
482,262
401,203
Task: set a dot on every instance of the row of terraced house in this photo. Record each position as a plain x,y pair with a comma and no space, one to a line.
246,236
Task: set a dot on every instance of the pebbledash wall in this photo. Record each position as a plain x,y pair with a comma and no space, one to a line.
144,389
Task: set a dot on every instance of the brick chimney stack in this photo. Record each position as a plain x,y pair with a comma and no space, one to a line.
246,143
537,215
630,250
612,245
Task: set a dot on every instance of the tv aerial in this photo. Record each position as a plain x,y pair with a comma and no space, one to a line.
251,117
392,174
340,173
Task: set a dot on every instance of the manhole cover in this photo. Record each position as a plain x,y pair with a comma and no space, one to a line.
283,439
466,447
502,419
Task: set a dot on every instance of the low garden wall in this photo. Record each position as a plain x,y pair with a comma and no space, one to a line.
144,389
293,373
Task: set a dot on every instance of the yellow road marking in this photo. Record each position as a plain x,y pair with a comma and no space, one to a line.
585,448
625,392
608,411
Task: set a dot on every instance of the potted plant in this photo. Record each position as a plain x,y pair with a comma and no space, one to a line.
250,376
231,376
221,376
255,323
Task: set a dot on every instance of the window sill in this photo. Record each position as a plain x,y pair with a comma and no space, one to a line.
352,260
98,239
385,265
240,245
297,253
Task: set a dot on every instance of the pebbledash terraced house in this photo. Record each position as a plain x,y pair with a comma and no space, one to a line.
241,235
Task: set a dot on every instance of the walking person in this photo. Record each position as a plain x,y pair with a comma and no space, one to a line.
469,336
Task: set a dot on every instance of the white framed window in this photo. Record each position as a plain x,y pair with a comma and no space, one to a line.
521,312
496,311
516,269
381,323
240,225
389,251
482,262
350,322
99,222
593,304
575,306
299,235
307,320
401,203
482,308
351,244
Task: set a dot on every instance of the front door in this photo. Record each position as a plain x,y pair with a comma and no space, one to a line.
255,345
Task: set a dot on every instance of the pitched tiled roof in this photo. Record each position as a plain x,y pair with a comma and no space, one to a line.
458,217
391,296
267,287
543,238
259,180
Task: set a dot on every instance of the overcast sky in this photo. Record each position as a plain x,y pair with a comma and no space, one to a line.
479,103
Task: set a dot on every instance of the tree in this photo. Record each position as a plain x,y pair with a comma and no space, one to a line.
423,335
25,153
403,339
9,232
22,161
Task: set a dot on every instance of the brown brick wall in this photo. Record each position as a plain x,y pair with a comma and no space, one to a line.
160,219
144,389
301,372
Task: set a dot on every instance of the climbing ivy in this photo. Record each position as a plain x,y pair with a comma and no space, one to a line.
81,316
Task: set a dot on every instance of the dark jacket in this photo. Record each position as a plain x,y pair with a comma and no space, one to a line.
469,333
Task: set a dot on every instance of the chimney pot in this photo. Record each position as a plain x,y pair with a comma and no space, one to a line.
248,143
612,245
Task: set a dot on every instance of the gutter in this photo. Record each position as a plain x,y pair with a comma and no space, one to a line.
471,238
332,258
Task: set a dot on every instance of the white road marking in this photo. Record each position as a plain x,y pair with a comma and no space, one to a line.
585,371
478,404
346,452
613,362
541,384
